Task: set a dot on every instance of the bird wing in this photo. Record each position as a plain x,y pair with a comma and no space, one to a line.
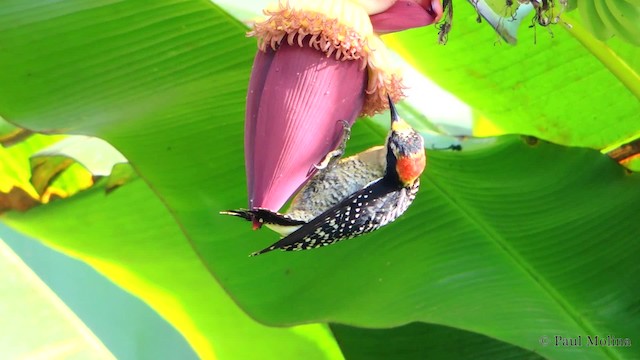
353,216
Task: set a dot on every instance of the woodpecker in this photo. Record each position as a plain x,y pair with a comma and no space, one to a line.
352,196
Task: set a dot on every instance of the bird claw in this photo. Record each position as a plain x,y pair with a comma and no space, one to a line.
336,154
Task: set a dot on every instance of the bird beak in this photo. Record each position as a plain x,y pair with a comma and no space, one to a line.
397,124
394,112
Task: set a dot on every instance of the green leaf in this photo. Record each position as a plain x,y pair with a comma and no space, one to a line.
16,190
71,158
130,237
10,134
421,341
102,63
96,155
505,241
554,88
514,241
121,174
49,329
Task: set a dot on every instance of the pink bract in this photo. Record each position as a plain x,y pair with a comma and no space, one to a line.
407,14
294,112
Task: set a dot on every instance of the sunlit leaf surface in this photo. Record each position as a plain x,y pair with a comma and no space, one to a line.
514,240
35,322
552,87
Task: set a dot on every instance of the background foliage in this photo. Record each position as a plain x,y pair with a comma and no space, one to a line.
509,240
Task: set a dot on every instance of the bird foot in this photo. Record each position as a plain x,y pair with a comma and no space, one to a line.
336,154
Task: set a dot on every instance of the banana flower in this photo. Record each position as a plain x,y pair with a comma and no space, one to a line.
319,63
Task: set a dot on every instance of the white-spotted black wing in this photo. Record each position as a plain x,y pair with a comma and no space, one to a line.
366,210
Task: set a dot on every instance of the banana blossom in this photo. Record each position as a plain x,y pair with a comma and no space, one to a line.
319,63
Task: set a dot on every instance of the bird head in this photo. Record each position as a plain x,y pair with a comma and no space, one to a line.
406,158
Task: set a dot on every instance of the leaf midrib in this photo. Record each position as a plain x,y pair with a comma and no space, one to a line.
527,268
601,51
